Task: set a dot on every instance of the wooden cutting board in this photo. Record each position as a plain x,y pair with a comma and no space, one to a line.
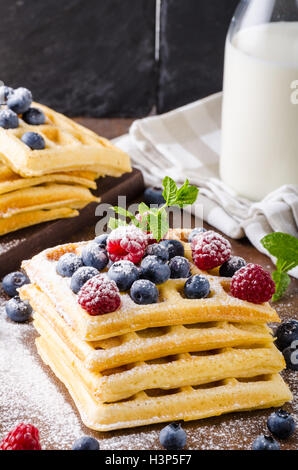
25,243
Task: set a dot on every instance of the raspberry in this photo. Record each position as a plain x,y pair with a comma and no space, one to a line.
23,437
127,243
99,295
252,283
210,249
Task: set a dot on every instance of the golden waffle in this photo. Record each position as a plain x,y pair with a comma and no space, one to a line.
146,344
157,405
26,219
47,196
171,309
69,146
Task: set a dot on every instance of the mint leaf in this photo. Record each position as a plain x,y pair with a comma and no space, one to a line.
121,211
283,246
170,191
186,195
158,224
282,281
115,223
143,208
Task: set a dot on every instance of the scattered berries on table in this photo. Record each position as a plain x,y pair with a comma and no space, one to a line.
231,266
13,281
81,276
23,437
159,250
291,357
8,119
86,443
195,232
153,269
252,283
95,256
153,196
180,267
281,424
173,437
34,116
101,240
19,100
286,334
99,295
127,243
174,247
144,292
33,140
209,250
18,310
197,287
68,264
124,273
265,443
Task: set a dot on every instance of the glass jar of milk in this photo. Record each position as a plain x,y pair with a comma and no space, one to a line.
260,104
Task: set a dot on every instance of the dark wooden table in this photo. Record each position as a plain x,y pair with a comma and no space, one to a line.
234,431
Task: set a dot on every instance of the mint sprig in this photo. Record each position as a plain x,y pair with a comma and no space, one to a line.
284,248
155,220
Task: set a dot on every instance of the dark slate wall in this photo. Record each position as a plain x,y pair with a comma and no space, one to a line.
82,57
192,49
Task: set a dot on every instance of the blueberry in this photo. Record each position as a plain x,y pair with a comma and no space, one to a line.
153,196
180,267
197,287
18,310
281,424
5,92
101,240
144,292
81,276
230,267
195,232
124,273
8,119
173,437
95,256
175,248
286,334
34,116
291,357
33,140
19,100
153,269
11,282
68,264
158,250
85,443
265,443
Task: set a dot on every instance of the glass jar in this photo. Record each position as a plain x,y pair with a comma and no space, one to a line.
260,104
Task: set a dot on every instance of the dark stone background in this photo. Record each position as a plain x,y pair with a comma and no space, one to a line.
96,57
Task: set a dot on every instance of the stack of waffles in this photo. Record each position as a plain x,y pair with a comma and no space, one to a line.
42,185
178,359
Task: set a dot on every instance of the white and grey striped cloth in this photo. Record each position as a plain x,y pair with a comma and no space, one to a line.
185,143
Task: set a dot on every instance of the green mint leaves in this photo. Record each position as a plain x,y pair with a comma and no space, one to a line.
285,249
155,220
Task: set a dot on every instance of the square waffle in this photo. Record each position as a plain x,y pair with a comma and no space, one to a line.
69,147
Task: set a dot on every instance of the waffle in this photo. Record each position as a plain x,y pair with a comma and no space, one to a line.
157,405
69,147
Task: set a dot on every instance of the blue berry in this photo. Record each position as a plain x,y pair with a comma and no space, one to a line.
174,247
197,287
34,116
8,119
81,276
68,264
286,334
95,256
5,92
85,443
18,310
19,100
33,140
153,269
173,437
230,267
153,196
124,273
265,443
158,250
195,232
291,357
180,267
144,292
11,282
101,240
281,424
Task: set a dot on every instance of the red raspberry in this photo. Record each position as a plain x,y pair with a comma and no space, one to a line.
23,437
252,283
127,243
210,249
99,295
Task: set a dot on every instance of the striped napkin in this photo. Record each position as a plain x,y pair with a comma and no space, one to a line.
185,143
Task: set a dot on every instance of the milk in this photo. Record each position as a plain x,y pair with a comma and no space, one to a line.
260,119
